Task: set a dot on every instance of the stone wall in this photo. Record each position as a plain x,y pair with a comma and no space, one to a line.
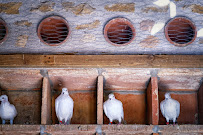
87,20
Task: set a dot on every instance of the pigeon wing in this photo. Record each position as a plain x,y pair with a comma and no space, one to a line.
72,107
15,111
162,107
177,109
105,110
56,105
122,113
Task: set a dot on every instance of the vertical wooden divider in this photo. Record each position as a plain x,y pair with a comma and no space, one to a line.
100,100
46,102
153,102
200,104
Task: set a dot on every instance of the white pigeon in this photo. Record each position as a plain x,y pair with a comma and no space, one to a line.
170,108
113,109
7,110
64,107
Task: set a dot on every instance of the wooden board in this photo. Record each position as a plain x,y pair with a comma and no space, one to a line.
200,104
153,102
102,61
106,129
46,102
100,100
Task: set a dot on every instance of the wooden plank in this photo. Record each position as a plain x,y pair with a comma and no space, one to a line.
106,129
153,102
200,104
20,129
46,102
181,129
100,100
91,129
101,61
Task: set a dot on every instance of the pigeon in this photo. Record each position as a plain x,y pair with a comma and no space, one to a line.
170,108
113,109
64,107
7,110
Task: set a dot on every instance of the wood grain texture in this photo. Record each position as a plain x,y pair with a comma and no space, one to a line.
46,102
200,104
100,100
102,61
153,102
106,129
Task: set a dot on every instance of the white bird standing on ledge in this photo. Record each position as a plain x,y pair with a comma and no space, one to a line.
170,108
113,109
64,107
7,110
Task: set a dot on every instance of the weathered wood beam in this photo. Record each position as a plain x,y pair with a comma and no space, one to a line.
100,100
101,61
153,102
200,104
46,102
106,129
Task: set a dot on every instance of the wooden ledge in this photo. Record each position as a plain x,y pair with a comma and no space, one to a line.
107,129
101,61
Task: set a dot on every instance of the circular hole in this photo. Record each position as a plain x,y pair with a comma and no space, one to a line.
53,30
119,32
3,31
180,31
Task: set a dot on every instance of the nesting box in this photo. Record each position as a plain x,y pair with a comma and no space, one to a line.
24,90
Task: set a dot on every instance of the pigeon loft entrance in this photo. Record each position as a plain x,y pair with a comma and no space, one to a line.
23,88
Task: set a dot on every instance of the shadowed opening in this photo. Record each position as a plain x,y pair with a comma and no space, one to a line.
180,31
119,31
53,30
3,31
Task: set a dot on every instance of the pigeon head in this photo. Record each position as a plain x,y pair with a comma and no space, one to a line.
65,91
3,98
111,96
167,96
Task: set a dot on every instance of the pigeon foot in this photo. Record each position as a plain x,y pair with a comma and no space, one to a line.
111,123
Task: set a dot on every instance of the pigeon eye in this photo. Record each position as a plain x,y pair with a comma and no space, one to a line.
2,97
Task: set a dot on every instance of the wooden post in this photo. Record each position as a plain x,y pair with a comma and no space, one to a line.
200,104
46,102
153,102
100,100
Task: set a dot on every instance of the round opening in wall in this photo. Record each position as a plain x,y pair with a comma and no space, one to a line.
53,30
180,31
119,32
3,31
